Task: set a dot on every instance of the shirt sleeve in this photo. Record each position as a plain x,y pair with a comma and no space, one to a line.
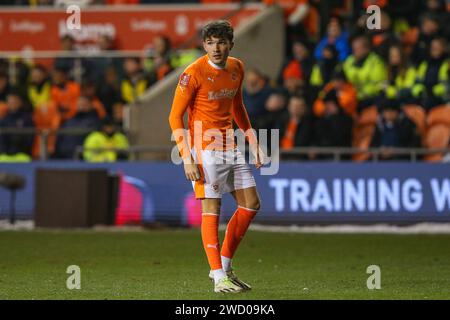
184,95
240,114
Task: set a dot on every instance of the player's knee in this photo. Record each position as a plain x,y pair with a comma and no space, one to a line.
211,206
254,204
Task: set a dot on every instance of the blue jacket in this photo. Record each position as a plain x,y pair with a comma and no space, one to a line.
341,43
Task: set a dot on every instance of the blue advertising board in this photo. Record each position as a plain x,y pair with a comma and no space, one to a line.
305,192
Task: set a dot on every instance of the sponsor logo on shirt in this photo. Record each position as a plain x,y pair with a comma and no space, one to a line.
222,94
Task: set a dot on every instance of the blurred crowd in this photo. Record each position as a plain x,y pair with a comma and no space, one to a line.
341,85
48,97
351,86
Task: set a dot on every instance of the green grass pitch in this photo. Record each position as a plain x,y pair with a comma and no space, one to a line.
170,264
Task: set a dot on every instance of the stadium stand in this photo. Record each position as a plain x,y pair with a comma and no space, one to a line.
331,60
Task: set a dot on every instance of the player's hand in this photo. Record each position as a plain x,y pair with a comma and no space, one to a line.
258,154
191,171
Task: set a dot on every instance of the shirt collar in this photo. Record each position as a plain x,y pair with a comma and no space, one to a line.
215,66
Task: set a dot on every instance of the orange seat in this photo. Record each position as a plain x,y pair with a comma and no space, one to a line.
417,115
438,131
3,109
368,116
362,136
438,115
438,137
363,131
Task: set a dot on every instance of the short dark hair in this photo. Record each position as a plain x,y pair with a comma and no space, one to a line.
389,104
40,67
363,38
61,69
440,39
4,74
221,29
14,91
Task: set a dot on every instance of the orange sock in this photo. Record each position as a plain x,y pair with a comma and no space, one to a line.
210,238
237,226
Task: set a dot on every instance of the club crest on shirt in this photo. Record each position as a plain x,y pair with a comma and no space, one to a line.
234,76
215,187
184,79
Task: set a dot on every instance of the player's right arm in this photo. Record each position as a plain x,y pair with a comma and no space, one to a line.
184,96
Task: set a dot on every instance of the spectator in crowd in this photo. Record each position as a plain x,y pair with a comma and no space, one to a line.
16,147
67,46
324,69
401,76
335,36
293,81
403,12
108,138
136,82
275,108
160,64
296,128
45,111
345,92
365,70
77,68
109,92
394,130
429,29
255,94
438,8
39,87
5,86
86,118
18,73
334,128
432,76
64,93
89,89
302,19
185,56
100,64
383,38
300,62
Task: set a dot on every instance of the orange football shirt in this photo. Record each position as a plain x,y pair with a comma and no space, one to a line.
212,96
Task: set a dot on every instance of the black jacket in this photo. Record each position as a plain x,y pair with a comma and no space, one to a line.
406,133
304,133
13,143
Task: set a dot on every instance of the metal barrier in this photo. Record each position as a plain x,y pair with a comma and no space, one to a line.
337,153
44,135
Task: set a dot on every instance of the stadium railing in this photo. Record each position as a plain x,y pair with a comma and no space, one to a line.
337,154
164,152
